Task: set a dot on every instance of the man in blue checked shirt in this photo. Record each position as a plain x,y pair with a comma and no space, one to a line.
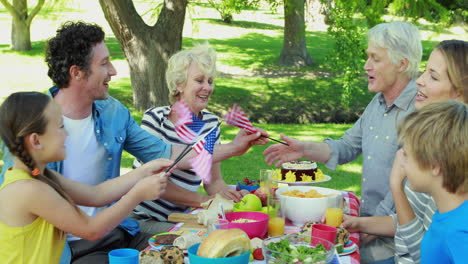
394,53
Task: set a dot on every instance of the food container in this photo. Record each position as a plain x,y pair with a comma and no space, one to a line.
311,209
195,259
249,188
253,229
287,255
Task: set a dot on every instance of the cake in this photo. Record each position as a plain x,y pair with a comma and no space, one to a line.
298,169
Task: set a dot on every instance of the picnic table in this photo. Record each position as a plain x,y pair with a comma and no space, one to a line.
352,202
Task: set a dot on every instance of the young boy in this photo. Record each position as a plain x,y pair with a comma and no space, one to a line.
435,159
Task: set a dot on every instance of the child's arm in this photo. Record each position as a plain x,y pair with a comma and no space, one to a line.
45,202
374,225
111,190
410,228
397,183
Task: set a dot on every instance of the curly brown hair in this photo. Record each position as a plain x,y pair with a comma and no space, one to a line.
72,45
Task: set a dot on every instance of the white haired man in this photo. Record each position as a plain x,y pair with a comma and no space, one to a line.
394,53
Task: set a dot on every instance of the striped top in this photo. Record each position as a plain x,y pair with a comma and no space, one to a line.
408,237
156,121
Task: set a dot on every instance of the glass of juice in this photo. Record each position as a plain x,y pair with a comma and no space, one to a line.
266,177
276,219
334,217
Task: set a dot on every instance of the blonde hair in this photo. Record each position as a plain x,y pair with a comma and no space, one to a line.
203,55
455,53
402,41
437,134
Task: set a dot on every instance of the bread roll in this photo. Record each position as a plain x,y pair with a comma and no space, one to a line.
224,243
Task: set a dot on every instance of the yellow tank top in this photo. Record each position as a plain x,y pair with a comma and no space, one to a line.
37,243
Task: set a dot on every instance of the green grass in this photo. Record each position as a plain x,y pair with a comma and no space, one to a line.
296,102
346,177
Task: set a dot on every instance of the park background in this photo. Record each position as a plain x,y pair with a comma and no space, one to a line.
308,103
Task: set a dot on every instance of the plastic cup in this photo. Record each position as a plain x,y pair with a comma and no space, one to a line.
333,217
276,221
215,224
124,256
324,231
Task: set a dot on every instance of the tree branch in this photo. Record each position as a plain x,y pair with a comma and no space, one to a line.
34,12
10,8
123,19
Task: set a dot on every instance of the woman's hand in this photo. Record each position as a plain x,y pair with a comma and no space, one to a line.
245,139
232,194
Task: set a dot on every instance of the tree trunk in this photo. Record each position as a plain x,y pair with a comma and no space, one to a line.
21,22
294,51
147,48
20,35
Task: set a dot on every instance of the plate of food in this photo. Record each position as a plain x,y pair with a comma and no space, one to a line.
348,248
299,173
182,239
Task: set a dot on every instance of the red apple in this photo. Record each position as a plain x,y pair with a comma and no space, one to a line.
263,193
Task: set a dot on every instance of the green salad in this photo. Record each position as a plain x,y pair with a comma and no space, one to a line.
297,254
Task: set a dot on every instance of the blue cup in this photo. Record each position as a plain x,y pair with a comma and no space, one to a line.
124,256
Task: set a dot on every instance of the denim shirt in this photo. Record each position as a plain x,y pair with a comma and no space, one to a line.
115,130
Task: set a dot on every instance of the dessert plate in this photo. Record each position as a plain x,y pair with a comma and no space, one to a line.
299,183
349,248
156,246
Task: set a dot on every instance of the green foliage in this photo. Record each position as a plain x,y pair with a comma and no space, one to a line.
430,10
348,57
374,11
226,8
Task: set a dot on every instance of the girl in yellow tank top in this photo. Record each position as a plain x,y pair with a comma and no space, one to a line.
37,205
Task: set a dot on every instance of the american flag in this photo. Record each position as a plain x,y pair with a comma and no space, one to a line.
236,117
204,147
184,118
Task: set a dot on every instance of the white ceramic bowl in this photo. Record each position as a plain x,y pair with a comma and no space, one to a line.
302,210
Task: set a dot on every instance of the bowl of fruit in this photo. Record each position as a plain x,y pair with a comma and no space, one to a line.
296,248
249,185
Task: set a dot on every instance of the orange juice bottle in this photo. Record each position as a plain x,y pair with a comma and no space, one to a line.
333,217
276,226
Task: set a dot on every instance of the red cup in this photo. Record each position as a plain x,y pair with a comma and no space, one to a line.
323,231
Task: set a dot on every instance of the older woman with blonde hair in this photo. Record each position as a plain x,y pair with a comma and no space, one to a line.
190,76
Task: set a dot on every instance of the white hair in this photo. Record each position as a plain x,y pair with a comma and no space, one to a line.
203,55
402,41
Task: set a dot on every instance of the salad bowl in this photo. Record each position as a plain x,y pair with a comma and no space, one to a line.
296,248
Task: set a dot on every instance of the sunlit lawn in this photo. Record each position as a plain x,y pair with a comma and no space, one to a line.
246,49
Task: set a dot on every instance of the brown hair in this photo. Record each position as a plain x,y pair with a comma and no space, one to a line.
21,114
437,134
455,53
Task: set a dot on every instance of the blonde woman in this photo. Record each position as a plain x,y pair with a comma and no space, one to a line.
190,76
